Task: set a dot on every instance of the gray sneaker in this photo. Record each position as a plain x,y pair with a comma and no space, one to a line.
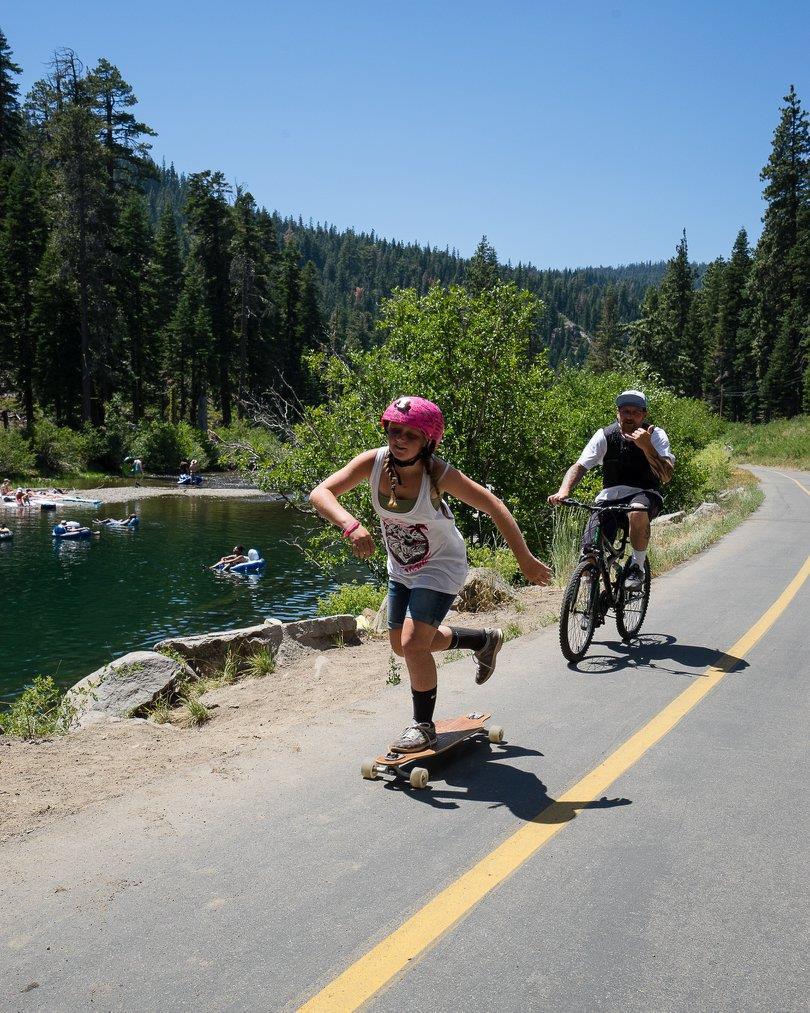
487,655
416,737
634,578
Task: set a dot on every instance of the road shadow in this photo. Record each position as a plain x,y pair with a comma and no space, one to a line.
480,772
658,651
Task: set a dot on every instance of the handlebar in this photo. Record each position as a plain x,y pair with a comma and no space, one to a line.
618,508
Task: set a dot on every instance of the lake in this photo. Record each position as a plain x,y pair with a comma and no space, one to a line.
70,606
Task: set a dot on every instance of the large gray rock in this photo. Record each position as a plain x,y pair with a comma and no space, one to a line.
123,686
675,518
705,510
206,653
738,490
484,590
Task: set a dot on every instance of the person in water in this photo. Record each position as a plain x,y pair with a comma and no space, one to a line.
427,557
6,489
236,557
130,521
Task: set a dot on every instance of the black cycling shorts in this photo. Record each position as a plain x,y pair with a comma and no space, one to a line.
612,522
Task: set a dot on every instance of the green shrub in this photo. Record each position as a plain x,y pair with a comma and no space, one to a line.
60,450
781,442
162,446
351,600
242,445
16,456
38,711
500,559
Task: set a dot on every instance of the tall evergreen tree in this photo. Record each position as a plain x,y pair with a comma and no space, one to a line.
780,278
22,244
10,113
675,345
134,249
125,150
732,339
607,340
211,225
482,271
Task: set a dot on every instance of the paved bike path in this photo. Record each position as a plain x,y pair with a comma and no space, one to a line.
254,892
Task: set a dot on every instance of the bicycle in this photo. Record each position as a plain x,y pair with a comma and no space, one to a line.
586,604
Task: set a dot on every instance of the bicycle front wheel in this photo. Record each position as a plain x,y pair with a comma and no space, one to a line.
578,615
632,606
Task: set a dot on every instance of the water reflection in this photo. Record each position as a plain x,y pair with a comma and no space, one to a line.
69,606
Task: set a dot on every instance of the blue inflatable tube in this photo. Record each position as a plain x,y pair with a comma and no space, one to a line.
254,566
60,532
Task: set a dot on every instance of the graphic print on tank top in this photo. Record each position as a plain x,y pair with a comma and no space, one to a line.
407,543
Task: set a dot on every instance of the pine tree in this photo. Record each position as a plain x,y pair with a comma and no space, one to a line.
289,363
250,286
780,277
10,114
482,270
705,325
22,244
735,363
675,345
125,150
310,320
607,339
211,225
192,341
134,250
80,218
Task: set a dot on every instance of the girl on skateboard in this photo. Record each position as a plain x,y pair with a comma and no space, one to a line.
427,557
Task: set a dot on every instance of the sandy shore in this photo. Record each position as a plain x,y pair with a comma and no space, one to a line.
126,494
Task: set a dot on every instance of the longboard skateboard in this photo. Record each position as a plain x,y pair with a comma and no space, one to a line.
449,733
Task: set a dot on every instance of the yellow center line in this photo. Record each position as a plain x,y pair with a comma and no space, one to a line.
792,479
359,982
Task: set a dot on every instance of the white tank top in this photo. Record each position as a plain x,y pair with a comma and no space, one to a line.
425,548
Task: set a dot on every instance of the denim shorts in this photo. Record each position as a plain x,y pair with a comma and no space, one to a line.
421,604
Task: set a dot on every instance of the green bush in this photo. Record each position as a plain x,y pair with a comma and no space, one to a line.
162,446
242,445
501,560
38,711
60,450
351,599
16,456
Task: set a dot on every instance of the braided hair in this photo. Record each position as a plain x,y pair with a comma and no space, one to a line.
426,456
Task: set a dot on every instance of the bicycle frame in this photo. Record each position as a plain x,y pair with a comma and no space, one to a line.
599,550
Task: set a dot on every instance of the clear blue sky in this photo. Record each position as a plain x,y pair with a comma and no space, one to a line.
571,133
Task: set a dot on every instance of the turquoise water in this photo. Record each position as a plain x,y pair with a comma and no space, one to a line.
70,606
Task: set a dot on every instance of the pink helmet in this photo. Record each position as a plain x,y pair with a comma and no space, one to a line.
418,413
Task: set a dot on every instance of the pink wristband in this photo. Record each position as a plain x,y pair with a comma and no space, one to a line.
352,527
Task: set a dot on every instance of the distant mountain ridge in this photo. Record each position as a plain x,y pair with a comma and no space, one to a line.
357,269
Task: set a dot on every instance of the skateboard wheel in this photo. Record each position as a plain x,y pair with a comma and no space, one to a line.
496,734
419,777
368,768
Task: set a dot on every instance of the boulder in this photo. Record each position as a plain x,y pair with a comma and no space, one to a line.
322,632
728,493
123,686
206,653
484,590
705,509
675,518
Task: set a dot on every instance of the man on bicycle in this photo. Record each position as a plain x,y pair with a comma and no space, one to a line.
636,461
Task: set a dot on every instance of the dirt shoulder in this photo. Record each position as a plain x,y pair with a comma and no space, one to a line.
43,781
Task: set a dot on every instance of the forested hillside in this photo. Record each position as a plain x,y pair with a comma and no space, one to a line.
182,298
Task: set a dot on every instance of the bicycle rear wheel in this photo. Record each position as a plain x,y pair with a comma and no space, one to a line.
632,605
578,614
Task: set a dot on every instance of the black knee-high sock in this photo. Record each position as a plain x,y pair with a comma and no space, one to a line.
467,640
424,703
